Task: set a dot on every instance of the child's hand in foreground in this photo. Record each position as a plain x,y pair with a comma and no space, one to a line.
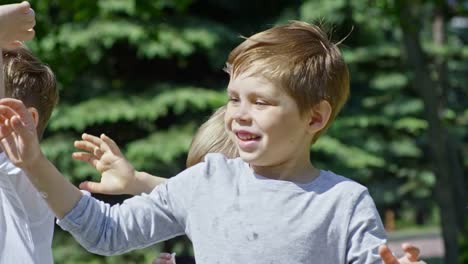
411,255
117,174
16,24
18,136
165,258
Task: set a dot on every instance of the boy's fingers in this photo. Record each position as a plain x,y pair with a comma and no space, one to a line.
93,144
386,255
90,138
97,152
104,147
24,6
32,22
94,151
162,261
411,251
165,255
111,144
85,156
163,258
21,130
5,128
85,145
15,107
4,131
30,13
6,112
93,187
9,143
29,25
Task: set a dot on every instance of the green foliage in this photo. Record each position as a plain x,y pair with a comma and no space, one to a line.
148,106
160,147
351,156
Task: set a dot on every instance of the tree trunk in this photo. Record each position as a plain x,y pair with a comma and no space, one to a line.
438,139
455,158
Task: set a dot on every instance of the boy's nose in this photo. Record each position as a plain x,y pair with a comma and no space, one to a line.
242,113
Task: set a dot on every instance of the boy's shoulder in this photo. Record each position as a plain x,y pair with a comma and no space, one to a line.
214,168
330,181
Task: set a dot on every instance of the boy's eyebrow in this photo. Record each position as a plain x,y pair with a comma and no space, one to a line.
229,90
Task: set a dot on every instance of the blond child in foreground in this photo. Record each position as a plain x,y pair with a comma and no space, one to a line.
270,205
118,176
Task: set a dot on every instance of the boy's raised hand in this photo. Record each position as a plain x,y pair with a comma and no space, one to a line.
411,255
16,24
18,136
117,174
165,258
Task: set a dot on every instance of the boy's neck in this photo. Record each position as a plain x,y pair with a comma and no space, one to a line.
299,172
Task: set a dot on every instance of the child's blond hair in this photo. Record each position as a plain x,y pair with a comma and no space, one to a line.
299,58
211,137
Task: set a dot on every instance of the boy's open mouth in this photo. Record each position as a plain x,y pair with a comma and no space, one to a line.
246,136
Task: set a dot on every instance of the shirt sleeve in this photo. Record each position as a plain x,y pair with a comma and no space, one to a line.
365,233
139,221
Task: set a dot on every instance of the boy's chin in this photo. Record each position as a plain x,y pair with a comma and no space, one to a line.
248,156
253,158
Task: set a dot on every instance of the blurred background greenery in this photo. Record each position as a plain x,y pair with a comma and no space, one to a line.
149,72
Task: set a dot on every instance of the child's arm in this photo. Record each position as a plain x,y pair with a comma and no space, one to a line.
19,141
117,174
16,24
98,227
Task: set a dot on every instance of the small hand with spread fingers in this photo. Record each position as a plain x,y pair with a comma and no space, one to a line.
165,258
102,153
18,136
411,255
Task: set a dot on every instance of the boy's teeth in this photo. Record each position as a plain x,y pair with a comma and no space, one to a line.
247,137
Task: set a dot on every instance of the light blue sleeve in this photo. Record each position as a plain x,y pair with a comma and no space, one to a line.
139,221
365,233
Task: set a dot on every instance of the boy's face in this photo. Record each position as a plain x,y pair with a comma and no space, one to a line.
265,124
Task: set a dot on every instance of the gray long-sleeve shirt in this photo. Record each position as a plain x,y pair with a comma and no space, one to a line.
233,215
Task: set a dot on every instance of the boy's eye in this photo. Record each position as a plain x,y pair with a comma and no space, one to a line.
233,99
261,102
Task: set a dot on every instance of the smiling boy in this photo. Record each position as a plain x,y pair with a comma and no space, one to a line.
271,205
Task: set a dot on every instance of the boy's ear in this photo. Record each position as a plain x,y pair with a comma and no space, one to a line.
35,115
319,116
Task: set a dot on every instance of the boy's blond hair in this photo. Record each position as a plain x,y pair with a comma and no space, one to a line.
31,81
299,58
211,137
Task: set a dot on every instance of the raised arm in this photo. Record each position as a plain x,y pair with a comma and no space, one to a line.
117,174
16,24
100,228
19,141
